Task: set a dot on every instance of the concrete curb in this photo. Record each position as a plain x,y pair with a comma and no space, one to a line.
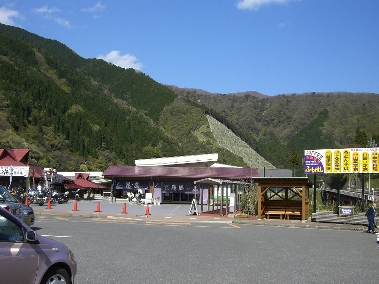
202,218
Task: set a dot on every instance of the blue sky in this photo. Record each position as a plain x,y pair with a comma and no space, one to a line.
220,46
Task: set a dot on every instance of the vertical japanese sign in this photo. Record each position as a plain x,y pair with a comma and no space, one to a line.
350,160
328,161
346,161
337,161
374,162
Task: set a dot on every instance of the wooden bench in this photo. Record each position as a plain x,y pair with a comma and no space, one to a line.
269,212
283,209
293,211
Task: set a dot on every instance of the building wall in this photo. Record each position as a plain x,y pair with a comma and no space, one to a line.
274,172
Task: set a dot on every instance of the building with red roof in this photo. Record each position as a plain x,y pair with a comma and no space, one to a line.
16,173
14,168
173,179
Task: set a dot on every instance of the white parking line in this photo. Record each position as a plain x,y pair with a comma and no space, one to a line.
56,236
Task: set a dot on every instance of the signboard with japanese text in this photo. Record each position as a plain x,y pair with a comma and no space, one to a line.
132,185
348,160
14,171
179,187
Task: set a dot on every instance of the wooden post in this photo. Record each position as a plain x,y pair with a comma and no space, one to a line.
259,202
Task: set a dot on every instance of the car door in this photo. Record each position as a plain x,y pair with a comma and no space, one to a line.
18,259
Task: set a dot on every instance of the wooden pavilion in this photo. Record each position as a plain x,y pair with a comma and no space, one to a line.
283,197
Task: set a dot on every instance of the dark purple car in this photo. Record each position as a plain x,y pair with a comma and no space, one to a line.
26,257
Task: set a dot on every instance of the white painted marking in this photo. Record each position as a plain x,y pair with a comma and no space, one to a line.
173,210
15,249
56,236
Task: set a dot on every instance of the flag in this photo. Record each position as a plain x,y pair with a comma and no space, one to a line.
10,177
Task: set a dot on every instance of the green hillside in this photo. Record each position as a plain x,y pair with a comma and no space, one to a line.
86,114
276,126
74,112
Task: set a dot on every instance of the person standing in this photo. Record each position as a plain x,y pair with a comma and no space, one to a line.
370,214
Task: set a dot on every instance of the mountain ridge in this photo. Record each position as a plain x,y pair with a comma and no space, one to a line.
72,112
99,114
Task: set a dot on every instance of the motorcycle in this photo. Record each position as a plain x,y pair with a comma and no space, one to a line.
77,195
36,196
138,199
46,195
63,197
58,197
55,196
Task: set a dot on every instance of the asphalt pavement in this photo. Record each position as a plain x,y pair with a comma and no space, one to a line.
121,209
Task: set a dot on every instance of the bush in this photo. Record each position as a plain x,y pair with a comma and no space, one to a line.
249,199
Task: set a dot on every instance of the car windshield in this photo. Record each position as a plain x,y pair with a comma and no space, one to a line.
5,196
18,198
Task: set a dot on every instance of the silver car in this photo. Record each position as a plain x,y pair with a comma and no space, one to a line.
27,212
27,257
17,208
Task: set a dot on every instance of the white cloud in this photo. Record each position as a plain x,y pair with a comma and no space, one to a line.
7,16
45,9
98,7
63,22
47,15
124,61
256,4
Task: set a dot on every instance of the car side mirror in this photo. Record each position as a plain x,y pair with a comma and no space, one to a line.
31,236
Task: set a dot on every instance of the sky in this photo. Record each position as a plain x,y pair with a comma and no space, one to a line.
220,46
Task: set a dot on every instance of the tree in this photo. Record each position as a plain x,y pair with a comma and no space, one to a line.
249,199
360,137
294,161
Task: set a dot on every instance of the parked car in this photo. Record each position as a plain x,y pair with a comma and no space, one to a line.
27,257
27,211
19,209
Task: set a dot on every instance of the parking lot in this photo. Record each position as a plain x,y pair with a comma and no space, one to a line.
162,250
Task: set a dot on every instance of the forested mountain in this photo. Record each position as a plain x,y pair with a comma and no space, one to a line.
282,126
86,114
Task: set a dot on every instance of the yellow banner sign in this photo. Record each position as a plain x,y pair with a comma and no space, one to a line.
350,160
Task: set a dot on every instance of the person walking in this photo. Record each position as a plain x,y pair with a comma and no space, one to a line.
370,214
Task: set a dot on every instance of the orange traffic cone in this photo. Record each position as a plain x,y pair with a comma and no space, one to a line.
75,206
98,207
27,201
147,210
124,209
48,204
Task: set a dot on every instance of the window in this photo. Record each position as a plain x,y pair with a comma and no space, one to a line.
9,231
